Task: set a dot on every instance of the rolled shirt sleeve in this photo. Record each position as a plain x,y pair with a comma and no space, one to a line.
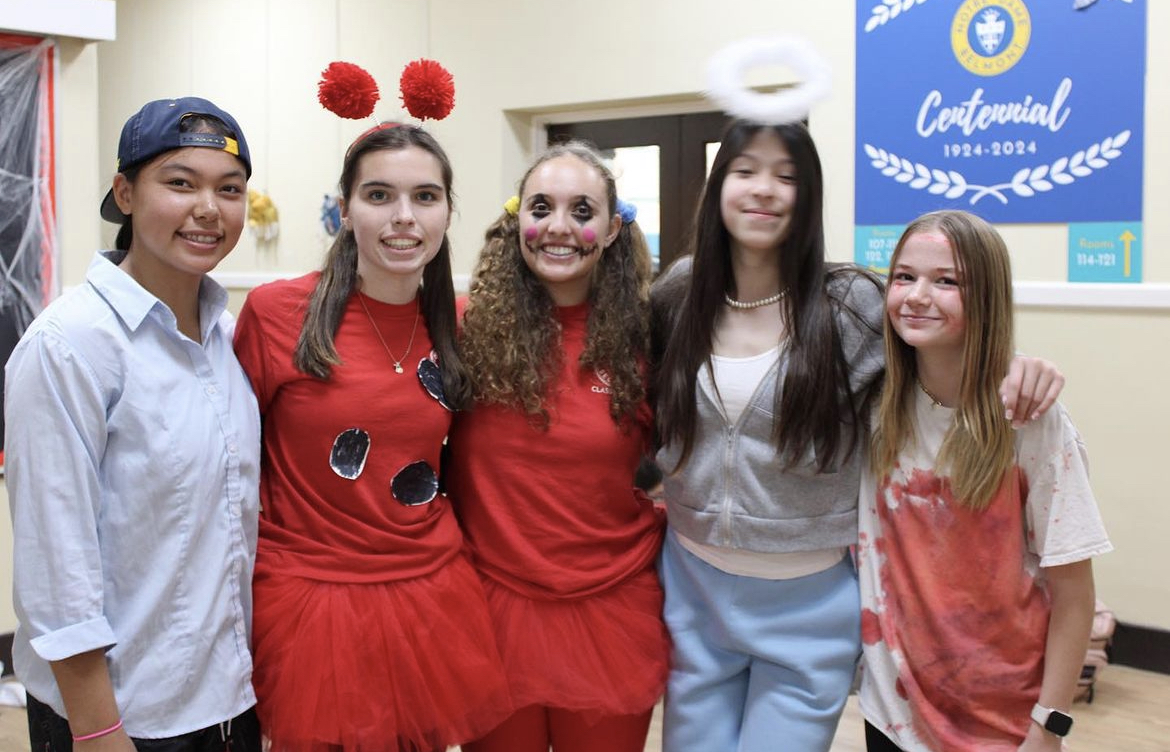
55,436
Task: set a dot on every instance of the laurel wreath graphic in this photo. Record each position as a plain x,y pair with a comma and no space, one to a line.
888,11
1025,183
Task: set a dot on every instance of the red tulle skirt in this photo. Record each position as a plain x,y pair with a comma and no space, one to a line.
605,654
376,667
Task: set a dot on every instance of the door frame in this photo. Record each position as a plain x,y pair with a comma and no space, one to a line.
680,180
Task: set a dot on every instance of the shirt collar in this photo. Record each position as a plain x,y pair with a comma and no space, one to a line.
133,303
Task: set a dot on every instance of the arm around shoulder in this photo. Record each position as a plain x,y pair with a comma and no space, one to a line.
858,299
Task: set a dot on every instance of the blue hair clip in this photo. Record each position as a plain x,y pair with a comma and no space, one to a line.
628,211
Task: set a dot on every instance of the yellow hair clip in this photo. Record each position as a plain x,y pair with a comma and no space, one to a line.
512,205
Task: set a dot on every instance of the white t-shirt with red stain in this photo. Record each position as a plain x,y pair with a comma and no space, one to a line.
954,603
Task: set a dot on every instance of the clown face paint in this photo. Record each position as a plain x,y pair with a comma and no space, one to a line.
566,225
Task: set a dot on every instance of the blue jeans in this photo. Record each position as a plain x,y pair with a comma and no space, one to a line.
757,664
49,732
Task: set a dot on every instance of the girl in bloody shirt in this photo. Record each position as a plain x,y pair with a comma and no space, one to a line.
975,540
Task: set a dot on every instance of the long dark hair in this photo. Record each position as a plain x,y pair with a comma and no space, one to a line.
511,338
815,399
315,353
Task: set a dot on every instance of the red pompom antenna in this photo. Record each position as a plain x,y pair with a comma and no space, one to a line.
347,90
428,90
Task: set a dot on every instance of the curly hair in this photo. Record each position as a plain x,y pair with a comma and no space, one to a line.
511,339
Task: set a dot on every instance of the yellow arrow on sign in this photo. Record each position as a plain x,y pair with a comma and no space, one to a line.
1127,237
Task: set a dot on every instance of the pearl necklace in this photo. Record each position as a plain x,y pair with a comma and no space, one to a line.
744,306
410,344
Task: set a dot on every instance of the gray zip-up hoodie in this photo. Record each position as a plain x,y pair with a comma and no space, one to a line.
734,490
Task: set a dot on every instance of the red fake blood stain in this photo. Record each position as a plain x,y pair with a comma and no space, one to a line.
967,618
871,630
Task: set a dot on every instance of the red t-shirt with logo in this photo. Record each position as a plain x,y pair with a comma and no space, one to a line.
553,514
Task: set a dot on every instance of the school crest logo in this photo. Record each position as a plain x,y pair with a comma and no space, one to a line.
989,37
989,29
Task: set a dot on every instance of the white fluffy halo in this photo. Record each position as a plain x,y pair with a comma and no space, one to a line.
726,69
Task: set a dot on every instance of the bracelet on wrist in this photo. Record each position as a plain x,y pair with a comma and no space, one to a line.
98,734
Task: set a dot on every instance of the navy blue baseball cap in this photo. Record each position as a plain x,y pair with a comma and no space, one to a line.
154,130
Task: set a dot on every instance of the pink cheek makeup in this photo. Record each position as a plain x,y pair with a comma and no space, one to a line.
589,235
530,234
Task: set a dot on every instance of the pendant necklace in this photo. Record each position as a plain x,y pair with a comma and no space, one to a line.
926,391
397,361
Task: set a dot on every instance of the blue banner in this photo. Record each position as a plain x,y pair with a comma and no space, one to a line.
1017,110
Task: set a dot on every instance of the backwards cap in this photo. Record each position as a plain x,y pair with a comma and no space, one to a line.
154,130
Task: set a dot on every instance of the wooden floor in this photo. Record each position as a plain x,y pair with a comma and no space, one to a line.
1131,713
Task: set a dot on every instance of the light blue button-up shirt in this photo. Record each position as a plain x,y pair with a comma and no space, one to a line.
132,455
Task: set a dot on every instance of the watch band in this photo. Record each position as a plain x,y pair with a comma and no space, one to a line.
1051,720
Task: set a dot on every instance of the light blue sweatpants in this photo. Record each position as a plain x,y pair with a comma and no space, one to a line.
758,665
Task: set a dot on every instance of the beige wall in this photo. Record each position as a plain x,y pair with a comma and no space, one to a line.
520,62
263,68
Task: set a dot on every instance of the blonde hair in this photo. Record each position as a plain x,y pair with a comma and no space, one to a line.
511,337
978,449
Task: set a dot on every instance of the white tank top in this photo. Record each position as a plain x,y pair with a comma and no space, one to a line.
737,379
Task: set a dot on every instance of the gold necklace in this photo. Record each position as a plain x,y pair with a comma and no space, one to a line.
928,394
410,344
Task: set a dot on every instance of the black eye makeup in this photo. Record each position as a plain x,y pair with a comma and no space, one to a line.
581,208
538,206
583,211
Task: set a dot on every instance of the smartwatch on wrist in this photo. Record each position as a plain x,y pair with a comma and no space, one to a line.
1053,721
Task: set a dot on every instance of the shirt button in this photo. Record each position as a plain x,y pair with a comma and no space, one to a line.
211,390
232,449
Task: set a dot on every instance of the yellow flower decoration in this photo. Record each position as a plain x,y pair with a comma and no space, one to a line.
263,218
512,205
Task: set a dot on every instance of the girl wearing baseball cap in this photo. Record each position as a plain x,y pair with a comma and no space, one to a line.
133,463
